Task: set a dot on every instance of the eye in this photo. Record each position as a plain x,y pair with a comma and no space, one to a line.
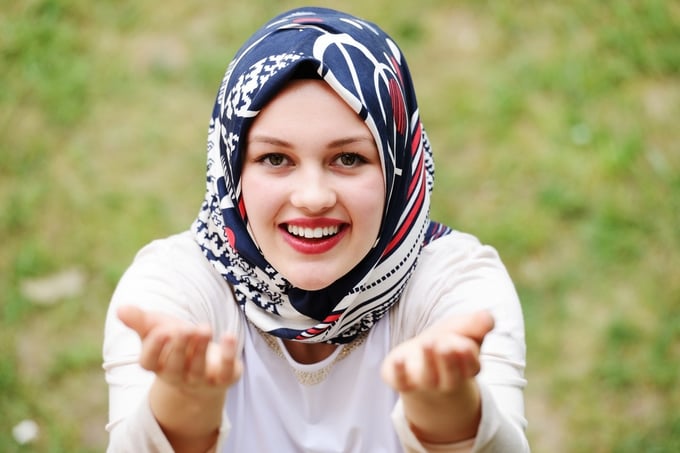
273,159
350,159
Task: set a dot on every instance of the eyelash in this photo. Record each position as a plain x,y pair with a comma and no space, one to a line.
266,159
358,159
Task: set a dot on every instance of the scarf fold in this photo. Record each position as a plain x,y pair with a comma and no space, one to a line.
367,70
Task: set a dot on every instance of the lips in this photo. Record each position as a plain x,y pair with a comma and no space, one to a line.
313,233
313,238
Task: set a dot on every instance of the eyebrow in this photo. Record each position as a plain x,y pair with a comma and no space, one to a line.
334,144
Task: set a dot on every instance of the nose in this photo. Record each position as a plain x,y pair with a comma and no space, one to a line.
313,191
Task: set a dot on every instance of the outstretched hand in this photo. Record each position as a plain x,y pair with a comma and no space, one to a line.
440,358
181,354
434,373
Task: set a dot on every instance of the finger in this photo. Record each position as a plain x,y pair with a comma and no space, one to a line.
196,359
230,356
223,366
150,356
429,375
481,323
474,326
469,364
135,318
175,353
449,367
458,358
402,382
143,322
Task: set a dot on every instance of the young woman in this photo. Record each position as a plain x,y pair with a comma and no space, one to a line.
314,306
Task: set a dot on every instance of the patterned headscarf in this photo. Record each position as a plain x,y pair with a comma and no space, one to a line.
366,69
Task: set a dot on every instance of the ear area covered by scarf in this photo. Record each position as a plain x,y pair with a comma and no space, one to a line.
366,69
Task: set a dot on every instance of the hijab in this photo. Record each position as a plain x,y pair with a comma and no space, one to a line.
364,66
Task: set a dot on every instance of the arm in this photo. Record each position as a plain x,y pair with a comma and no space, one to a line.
192,376
459,281
435,376
169,279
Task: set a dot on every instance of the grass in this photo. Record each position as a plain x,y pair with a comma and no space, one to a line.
555,140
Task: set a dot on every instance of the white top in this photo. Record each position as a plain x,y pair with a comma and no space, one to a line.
350,409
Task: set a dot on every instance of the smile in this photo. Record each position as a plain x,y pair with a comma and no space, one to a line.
312,233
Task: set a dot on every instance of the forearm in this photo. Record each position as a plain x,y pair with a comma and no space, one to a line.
447,419
190,421
500,429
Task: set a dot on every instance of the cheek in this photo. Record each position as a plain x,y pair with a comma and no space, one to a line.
257,199
369,201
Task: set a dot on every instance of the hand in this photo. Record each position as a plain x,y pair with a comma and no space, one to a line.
434,373
182,354
192,376
440,358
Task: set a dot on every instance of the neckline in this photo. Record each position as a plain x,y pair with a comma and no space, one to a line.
313,373
307,366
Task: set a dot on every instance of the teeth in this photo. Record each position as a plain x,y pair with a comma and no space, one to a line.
312,233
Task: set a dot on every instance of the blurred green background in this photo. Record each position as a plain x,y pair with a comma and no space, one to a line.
555,131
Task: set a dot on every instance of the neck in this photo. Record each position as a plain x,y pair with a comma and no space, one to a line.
308,353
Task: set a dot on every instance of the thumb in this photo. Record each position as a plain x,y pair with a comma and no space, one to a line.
136,319
474,326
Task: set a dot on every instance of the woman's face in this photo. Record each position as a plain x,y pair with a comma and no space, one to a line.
312,185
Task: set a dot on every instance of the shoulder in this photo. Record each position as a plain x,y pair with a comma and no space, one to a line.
181,245
456,254
173,275
456,274
176,258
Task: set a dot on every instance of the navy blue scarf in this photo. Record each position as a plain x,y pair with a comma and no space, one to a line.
367,70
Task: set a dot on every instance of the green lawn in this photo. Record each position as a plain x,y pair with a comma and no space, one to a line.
555,131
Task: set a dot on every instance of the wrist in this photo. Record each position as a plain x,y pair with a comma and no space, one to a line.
187,416
437,418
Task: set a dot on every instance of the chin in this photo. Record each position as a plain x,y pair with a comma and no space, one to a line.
310,286
313,277
311,282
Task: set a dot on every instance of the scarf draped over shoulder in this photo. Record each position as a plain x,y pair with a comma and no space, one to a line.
365,67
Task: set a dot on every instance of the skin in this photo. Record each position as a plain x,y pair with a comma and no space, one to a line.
299,167
434,374
193,374
312,162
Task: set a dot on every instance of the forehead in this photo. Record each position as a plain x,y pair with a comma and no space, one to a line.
308,105
311,93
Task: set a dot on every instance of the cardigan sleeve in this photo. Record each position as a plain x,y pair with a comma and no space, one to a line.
171,276
458,275
140,432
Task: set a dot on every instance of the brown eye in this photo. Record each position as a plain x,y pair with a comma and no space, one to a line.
349,159
275,160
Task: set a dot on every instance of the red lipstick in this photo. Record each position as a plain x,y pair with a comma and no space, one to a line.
313,236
